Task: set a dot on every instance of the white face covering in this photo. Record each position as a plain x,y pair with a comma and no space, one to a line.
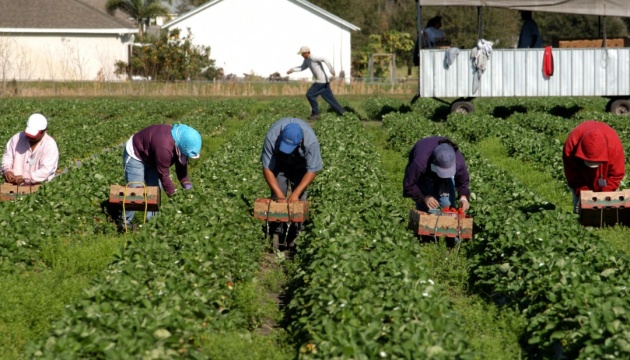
592,164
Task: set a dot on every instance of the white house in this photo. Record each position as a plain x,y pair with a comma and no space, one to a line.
261,37
60,40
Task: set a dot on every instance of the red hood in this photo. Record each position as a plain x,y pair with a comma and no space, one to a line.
592,146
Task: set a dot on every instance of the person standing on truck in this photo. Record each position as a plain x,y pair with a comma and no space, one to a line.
436,170
321,86
530,35
593,159
434,34
290,156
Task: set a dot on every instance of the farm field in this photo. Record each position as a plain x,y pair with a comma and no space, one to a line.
199,280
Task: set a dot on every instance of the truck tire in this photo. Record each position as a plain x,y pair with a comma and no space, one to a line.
620,107
462,107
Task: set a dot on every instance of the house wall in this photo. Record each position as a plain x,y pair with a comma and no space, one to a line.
61,56
263,37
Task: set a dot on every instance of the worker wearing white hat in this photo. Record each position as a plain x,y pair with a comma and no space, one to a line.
321,86
31,156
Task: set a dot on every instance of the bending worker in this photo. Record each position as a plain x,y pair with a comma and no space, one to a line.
435,171
31,156
290,155
150,153
593,158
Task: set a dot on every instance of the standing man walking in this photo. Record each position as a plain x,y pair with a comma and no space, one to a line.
321,86
290,155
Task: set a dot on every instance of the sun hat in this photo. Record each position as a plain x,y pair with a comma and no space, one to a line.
187,139
35,124
592,146
290,137
304,49
444,161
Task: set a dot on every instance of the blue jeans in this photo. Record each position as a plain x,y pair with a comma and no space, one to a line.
443,190
324,90
137,171
576,203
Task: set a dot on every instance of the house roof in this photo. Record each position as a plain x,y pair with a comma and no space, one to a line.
304,3
100,5
58,16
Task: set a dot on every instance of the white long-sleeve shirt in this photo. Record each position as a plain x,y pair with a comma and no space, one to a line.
315,64
34,166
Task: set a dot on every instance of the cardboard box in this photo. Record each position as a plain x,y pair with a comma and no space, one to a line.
134,197
605,208
9,192
450,225
281,211
591,43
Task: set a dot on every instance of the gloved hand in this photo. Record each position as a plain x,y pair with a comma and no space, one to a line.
188,185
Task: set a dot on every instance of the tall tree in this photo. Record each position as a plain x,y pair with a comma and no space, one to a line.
140,10
187,5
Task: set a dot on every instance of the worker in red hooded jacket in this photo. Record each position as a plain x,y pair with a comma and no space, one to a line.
593,159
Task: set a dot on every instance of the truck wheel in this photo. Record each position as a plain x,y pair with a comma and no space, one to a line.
620,107
462,107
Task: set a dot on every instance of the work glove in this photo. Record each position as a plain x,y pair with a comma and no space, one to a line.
188,185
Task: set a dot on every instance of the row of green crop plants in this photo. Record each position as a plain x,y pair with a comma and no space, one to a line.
571,287
177,280
72,203
535,138
363,289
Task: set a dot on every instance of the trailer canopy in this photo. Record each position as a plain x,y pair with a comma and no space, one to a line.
582,7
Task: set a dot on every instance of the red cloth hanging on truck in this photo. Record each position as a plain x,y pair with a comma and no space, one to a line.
548,62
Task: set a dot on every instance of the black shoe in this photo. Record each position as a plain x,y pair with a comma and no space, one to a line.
314,117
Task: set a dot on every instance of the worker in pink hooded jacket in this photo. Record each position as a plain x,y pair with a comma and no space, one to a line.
593,159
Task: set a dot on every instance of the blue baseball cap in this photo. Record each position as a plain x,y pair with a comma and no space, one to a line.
290,137
444,161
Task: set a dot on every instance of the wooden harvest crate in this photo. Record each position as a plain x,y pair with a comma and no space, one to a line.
450,225
134,197
9,192
591,43
605,208
280,211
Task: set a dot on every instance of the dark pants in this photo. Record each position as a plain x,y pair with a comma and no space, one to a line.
285,178
443,190
324,90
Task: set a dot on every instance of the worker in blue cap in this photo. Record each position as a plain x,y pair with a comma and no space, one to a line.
290,156
149,154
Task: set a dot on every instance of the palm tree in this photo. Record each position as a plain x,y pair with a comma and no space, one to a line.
140,10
